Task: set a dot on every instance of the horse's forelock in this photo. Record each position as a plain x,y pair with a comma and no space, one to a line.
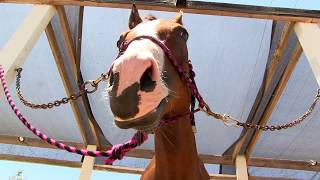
149,17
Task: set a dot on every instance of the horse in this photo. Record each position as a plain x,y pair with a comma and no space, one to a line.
144,87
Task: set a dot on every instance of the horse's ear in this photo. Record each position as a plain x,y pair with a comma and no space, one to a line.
178,18
134,18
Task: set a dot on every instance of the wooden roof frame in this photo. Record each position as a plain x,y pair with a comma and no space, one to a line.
147,154
196,7
276,76
118,169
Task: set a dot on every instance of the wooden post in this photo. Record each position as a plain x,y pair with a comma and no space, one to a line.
309,37
241,168
87,165
23,40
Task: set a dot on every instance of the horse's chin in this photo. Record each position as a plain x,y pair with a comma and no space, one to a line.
146,122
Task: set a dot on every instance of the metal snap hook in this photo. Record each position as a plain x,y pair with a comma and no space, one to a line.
90,89
229,121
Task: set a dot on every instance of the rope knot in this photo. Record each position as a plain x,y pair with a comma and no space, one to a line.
117,151
120,150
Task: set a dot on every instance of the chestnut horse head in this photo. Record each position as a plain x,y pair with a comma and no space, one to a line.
144,86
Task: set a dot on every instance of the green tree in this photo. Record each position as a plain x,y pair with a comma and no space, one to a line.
18,176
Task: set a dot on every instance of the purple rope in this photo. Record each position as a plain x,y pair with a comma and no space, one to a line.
117,151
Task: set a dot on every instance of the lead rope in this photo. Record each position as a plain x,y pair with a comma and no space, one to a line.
192,75
117,151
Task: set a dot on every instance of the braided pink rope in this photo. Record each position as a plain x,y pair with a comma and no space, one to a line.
117,151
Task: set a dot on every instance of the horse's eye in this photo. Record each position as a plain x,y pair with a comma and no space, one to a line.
184,34
121,38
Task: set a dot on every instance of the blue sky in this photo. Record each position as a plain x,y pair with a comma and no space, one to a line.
48,172
39,171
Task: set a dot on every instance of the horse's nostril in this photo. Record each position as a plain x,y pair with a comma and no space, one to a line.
111,80
146,82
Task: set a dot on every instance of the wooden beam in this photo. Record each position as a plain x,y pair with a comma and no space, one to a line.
72,38
209,159
214,159
71,52
15,52
283,164
148,154
249,11
87,165
38,160
34,142
276,96
196,7
70,86
278,58
234,149
309,38
76,32
270,178
61,42
222,177
277,55
78,39
241,168
118,169
277,33
277,74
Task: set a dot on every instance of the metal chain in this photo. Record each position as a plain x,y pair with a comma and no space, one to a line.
230,121
227,119
84,88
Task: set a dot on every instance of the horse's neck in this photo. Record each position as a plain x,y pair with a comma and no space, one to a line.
176,155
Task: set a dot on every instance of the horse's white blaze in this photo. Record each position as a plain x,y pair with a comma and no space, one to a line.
139,56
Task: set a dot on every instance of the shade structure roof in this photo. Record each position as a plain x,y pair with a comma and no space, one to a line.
229,54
